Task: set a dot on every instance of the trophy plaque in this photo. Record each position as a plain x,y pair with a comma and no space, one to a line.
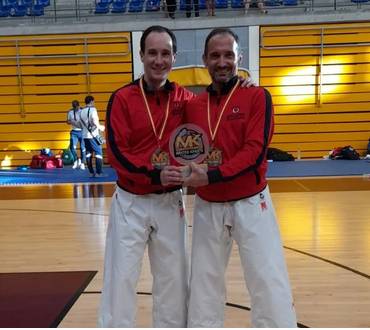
188,143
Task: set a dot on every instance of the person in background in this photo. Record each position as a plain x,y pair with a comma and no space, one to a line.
210,7
232,200
171,8
260,4
75,134
73,119
89,122
367,156
189,8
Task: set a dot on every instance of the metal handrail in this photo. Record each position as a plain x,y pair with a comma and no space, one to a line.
80,6
20,84
87,68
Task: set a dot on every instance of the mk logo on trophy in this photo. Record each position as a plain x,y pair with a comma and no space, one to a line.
189,143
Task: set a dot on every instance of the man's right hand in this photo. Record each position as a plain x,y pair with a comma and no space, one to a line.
247,82
171,175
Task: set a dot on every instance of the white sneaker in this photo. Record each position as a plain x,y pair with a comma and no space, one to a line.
82,166
75,164
79,162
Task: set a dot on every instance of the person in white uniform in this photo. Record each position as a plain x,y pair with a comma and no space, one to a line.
232,200
147,207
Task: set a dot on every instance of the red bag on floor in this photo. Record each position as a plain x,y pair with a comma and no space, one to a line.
58,161
38,161
48,164
52,162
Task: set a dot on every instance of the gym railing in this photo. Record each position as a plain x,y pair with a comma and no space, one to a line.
12,11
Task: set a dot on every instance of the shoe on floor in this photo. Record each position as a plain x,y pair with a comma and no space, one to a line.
75,164
82,166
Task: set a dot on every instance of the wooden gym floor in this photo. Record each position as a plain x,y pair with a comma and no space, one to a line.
324,222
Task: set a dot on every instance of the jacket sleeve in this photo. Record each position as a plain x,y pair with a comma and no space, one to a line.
256,139
68,118
120,155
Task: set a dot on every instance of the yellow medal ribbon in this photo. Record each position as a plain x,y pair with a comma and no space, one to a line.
213,133
158,137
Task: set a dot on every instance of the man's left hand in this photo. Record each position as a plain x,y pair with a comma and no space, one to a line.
198,176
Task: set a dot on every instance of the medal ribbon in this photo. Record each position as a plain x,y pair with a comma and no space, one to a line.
158,137
214,132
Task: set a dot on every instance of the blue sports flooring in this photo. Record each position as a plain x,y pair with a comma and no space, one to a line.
302,168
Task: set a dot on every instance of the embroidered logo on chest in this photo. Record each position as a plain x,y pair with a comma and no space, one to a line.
235,114
177,108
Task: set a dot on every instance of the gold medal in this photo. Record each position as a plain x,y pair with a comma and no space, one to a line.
160,159
214,157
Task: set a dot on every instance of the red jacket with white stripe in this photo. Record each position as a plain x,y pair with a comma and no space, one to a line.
130,137
243,136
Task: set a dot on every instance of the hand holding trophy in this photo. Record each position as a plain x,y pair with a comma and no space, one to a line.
189,146
198,176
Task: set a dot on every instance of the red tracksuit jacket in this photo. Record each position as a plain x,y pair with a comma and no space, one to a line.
243,135
130,137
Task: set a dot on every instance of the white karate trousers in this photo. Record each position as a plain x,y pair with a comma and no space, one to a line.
251,222
136,221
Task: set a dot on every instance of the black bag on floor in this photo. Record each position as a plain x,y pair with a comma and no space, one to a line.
347,152
350,153
278,155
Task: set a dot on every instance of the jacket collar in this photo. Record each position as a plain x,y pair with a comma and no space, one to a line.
226,88
168,86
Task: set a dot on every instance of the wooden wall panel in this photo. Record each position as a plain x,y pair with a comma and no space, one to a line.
40,78
42,117
320,86
325,108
